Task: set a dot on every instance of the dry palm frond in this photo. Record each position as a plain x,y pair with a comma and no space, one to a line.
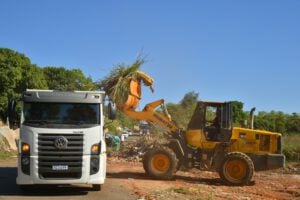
116,84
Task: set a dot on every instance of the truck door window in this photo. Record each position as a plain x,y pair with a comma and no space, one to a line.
210,116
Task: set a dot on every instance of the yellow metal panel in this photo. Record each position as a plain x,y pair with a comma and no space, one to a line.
194,138
254,141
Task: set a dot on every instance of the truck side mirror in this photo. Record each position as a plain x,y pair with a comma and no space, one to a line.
13,117
112,111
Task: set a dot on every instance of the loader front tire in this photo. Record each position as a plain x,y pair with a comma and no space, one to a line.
160,162
236,169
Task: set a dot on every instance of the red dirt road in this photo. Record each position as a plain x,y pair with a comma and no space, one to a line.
203,185
127,180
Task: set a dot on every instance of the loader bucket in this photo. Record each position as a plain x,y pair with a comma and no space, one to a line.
134,96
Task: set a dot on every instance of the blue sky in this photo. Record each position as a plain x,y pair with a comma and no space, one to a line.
224,50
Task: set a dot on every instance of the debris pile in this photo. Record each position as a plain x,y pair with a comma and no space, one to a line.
135,150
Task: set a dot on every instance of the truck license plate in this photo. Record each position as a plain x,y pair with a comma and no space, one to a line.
60,167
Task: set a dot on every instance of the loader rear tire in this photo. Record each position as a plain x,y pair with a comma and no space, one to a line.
160,162
236,169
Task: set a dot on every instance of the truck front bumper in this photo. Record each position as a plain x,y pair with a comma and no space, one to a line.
86,178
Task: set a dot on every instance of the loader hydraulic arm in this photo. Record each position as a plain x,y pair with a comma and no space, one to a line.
149,113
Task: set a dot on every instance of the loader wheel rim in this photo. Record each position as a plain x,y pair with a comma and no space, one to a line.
160,163
235,170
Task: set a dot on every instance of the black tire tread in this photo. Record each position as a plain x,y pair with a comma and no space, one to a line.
96,187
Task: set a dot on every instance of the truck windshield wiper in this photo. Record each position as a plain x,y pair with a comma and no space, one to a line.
74,122
41,122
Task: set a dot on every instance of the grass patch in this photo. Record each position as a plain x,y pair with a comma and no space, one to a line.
6,155
5,152
291,147
182,190
192,193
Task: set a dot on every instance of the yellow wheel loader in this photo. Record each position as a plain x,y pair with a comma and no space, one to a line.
209,143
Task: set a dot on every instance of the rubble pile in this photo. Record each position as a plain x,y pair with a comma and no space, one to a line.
134,151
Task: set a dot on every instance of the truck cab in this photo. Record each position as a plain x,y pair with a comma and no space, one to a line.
61,138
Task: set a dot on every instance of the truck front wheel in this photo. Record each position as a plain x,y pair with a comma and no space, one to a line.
236,169
160,162
96,187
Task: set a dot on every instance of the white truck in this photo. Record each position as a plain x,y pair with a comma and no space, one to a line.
61,138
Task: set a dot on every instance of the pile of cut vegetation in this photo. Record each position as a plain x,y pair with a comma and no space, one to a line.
116,84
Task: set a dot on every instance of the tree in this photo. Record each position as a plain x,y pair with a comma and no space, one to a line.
16,74
125,121
189,99
238,115
182,113
272,121
32,78
293,123
60,78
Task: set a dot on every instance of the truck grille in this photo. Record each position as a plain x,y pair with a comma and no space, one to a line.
60,163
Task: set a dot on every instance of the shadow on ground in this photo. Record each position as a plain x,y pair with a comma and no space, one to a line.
193,180
8,186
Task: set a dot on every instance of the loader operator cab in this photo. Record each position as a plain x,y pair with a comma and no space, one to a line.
214,119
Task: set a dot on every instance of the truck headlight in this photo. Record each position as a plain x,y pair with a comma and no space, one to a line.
95,160
25,148
25,158
95,150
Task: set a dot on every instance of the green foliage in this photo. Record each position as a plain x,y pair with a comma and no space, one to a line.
238,115
116,84
293,123
272,121
121,121
189,99
126,121
291,147
112,126
60,78
182,113
16,74
5,155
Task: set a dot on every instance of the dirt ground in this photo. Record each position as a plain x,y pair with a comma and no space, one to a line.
196,185
127,180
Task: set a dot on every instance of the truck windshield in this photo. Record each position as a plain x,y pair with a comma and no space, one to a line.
69,114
